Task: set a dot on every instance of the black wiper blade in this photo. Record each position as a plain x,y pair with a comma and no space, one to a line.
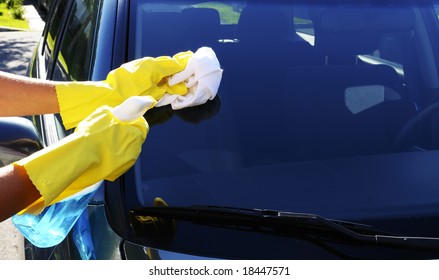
298,225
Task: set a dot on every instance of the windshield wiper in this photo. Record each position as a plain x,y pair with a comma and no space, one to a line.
299,225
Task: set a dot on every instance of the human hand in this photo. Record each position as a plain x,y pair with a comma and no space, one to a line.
146,76
202,77
104,146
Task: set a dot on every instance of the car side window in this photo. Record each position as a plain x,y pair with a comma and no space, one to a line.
53,29
76,50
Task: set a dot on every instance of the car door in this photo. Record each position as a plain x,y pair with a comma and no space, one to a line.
73,50
60,56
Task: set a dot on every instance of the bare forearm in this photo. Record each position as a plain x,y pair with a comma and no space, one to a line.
16,189
22,96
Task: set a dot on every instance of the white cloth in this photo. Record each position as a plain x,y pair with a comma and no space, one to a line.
202,76
133,108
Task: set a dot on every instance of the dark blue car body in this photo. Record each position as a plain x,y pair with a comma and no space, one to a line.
326,108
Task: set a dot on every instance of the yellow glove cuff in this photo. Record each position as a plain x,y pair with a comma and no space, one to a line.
145,76
102,147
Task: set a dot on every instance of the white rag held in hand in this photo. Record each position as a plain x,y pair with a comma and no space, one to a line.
202,76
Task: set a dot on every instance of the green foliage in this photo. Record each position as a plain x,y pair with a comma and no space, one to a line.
227,13
16,8
17,13
12,18
14,4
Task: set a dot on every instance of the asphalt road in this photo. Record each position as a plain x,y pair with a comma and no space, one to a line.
16,49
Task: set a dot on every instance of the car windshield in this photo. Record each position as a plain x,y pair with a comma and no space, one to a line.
325,107
302,82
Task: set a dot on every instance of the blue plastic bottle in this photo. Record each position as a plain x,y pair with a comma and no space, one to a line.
50,227
83,239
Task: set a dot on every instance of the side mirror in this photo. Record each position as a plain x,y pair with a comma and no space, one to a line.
18,139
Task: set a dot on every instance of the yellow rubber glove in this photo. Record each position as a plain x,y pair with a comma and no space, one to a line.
102,147
145,76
